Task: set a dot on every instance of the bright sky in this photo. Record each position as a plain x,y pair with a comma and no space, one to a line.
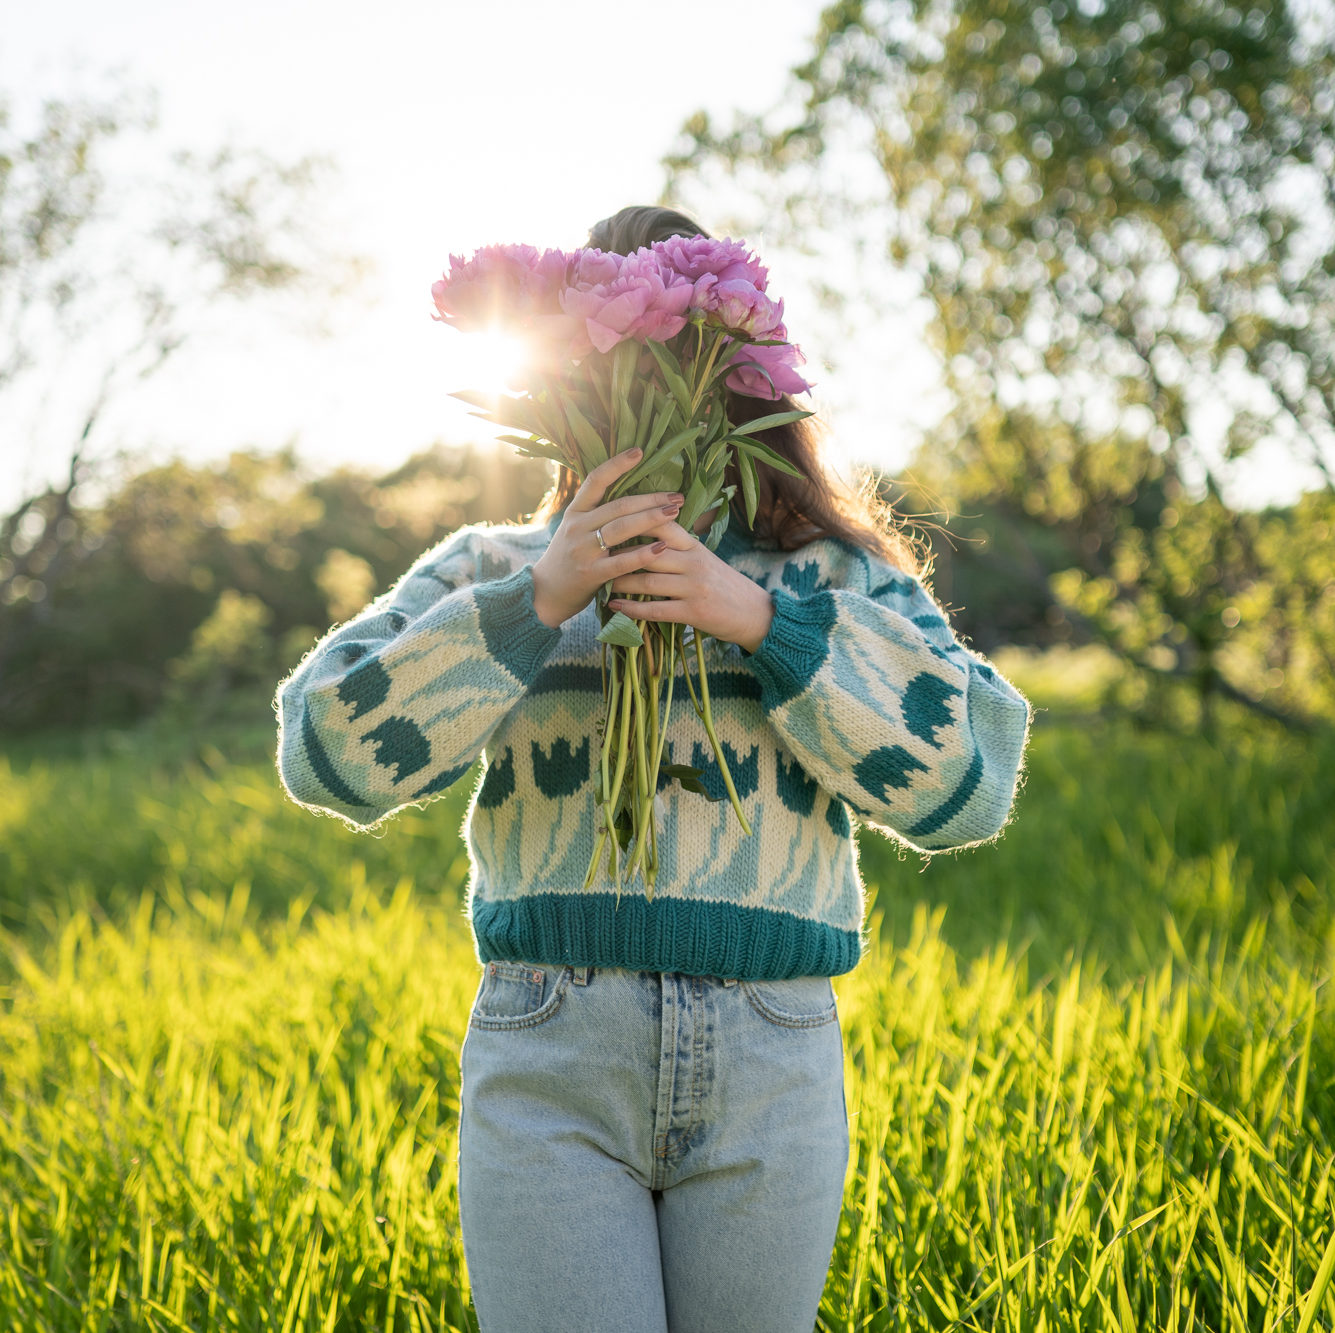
452,125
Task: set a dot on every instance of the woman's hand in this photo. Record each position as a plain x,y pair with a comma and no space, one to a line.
695,587
574,566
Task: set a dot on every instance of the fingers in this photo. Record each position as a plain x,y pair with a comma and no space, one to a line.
654,583
677,537
648,513
594,486
626,562
665,610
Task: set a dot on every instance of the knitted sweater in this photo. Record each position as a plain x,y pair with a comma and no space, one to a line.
859,700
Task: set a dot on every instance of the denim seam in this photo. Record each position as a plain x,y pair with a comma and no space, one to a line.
539,1016
667,1067
697,1059
781,1019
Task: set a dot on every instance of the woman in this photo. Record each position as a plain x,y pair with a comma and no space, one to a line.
653,1131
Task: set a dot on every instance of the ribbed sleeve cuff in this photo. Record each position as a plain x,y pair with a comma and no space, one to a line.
795,648
514,634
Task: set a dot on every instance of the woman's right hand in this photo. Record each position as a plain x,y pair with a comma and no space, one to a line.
574,566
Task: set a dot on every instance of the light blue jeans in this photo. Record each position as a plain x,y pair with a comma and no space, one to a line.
644,1152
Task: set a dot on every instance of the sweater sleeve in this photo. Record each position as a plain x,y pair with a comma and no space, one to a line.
878,700
393,706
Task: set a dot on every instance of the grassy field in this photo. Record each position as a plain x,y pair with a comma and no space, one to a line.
1091,1070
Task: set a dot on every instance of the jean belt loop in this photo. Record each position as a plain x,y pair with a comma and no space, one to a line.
582,975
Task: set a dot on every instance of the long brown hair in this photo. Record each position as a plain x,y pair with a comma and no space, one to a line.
790,511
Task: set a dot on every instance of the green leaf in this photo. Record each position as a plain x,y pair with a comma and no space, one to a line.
551,422
625,357
517,411
592,450
746,469
658,464
754,365
714,456
476,398
664,475
720,524
755,449
769,422
672,377
647,412
700,495
661,423
533,447
530,448
621,631
689,778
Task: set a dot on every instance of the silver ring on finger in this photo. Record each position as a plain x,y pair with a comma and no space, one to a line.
598,532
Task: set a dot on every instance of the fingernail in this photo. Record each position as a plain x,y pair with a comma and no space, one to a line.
670,510
676,499
658,546
634,453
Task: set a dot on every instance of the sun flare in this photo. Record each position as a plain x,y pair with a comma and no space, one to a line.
487,361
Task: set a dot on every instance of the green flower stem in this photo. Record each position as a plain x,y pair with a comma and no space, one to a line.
708,719
592,871
616,735
644,836
610,709
623,749
695,698
671,672
644,821
703,383
651,873
610,700
654,685
641,758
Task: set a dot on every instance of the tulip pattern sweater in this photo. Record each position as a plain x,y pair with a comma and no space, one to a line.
859,701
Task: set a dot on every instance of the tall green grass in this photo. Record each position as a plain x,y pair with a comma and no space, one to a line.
1155,1154
1115,832
1091,1070
208,1127
94,826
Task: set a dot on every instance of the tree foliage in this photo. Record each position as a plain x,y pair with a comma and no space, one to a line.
187,582
115,250
1122,214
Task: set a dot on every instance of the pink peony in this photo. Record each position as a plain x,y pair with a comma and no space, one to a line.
642,298
516,287
725,260
590,268
500,284
741,305
780,362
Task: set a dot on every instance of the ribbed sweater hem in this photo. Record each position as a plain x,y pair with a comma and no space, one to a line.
665,935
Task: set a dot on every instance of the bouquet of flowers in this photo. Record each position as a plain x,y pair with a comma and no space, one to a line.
637,351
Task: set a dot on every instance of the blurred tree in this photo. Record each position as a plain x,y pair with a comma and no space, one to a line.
230,649
113,253
1122,214
191,581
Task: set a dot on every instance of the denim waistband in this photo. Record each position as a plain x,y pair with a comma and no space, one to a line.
584,974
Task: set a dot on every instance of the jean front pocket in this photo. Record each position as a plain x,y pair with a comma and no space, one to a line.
518,995
798,1002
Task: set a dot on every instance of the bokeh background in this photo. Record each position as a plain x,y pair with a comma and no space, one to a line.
1065,273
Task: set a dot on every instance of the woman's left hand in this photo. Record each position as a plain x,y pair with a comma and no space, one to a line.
692,586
